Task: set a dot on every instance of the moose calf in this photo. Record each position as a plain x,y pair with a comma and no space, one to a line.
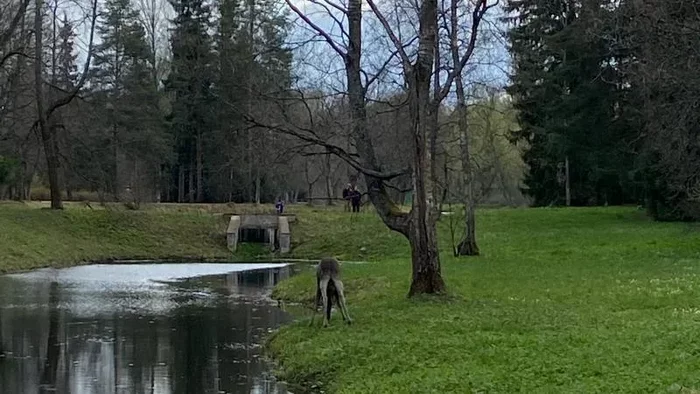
330,287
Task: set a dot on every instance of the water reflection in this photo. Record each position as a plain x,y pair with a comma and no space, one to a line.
108,332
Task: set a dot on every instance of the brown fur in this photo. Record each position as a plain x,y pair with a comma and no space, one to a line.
329,287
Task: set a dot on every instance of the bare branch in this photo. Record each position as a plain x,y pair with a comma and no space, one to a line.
7,34
8,55
405,60
481,8
334,149
86,70
318,29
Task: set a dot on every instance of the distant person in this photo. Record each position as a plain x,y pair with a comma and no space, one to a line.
353,194
279,206
346,199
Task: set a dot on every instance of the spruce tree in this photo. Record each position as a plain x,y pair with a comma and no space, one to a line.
567,89
190,83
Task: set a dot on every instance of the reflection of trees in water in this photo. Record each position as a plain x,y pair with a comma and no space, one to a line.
250,282
23,335
53,347
192,349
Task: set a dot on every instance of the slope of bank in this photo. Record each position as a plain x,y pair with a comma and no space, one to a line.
31,237
562,300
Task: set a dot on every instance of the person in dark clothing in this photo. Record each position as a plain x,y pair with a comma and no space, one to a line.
355,200
353,194
279,206
346,199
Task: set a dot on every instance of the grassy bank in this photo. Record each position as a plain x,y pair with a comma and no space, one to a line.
32,237
562,300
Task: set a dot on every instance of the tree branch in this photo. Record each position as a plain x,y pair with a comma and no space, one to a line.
333,149
8,55
86,70
318,29
405,60
7,34
481,8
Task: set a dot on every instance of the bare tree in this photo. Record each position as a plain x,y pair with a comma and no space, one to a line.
418,225
467,246
8,32
45,124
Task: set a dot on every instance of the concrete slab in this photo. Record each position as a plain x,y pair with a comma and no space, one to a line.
276,226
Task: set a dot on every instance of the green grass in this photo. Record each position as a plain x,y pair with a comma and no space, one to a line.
561,300
31,237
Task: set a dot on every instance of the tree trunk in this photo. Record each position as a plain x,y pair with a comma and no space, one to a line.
21,180
200,170
419,226
329,181
181,183
258,185
45,128
115,154
467,246
568,184
427,278
308,193
230,184
425,258
190,183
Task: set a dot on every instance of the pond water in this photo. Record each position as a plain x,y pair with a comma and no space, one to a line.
139,328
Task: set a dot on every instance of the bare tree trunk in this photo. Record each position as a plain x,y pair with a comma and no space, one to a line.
249,151
467,246
115,153
427,277
158,182
329,181
200,170
310,189
46,129
419,226
181,183
253,177
568,184
258,185
190,183
230,184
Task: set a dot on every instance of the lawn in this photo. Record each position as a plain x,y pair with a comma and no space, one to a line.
561,300
32,237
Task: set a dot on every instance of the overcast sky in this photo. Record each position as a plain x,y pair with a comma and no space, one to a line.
318,66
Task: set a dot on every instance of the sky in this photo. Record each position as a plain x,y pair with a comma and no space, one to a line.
322,66
317,66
